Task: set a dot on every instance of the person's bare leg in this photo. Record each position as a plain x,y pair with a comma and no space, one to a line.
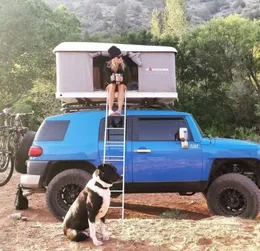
111,93
121,95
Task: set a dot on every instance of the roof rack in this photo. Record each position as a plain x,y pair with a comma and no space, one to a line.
85,104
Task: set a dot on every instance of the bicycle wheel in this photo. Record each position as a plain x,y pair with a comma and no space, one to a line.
4,154
6,163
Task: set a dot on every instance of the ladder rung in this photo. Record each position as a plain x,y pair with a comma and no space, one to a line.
115,142
122,115
113,160
116,191
112,128
116,207
114,156
117,116
116,146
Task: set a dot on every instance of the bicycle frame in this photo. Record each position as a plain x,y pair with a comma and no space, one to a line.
12,132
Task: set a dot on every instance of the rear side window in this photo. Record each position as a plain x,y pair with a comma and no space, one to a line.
157,129
52,130
116,134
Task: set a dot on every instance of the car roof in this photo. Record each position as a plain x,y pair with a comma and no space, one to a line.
129,113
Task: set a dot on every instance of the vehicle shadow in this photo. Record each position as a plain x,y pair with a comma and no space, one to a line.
133,210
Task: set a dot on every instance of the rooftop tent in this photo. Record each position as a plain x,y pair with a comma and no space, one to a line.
80,65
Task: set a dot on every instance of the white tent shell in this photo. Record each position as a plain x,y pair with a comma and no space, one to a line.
75,71
93,47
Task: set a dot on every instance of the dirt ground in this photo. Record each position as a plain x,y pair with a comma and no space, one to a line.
143,229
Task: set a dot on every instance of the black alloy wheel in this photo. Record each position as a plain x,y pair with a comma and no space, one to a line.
67,194
232,202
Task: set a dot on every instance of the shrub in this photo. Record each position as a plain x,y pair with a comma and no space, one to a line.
174,214
250,134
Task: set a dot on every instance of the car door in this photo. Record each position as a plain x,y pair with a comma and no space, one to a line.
116,135
157,153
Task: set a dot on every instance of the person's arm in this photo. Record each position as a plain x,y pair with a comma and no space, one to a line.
125,76
107,75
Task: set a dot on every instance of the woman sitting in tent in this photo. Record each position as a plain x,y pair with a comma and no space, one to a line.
116,72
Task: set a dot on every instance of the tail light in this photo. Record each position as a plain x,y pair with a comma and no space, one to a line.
35,151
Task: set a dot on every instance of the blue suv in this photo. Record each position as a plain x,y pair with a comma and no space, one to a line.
68,147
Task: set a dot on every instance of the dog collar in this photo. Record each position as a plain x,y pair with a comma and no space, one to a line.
100,185
103,184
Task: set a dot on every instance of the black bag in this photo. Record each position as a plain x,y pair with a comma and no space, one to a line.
20,202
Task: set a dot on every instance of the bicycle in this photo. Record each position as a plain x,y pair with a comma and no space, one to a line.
12,132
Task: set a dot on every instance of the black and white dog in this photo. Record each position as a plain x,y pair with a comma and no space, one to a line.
91,205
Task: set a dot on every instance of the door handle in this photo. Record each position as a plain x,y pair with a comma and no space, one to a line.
142,150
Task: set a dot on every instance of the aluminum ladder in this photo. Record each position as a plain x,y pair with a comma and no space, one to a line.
119,145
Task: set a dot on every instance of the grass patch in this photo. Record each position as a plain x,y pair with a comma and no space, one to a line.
174,214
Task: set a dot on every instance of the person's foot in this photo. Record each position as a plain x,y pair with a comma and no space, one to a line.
110,113
117,113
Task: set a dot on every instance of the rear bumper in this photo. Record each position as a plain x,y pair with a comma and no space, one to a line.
30,181
36,167
35,172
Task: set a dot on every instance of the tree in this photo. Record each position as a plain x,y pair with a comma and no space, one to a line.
218,73
228,47
175,22
29,30
41,98
154,24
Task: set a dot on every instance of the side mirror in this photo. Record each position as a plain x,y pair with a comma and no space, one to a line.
183,136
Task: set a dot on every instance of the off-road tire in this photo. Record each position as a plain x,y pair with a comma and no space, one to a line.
67,179
226,189
22,152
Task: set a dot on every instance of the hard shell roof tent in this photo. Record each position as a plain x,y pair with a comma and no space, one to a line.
80,65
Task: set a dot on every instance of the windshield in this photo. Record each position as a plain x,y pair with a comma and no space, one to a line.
201,132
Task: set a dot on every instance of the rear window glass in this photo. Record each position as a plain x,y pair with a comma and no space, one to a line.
52,130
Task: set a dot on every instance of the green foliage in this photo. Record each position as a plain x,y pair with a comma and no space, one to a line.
29,31
41,98
140,19
218,74
140,37
154,24
226,47
250,134
174,214
175,22
218,63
